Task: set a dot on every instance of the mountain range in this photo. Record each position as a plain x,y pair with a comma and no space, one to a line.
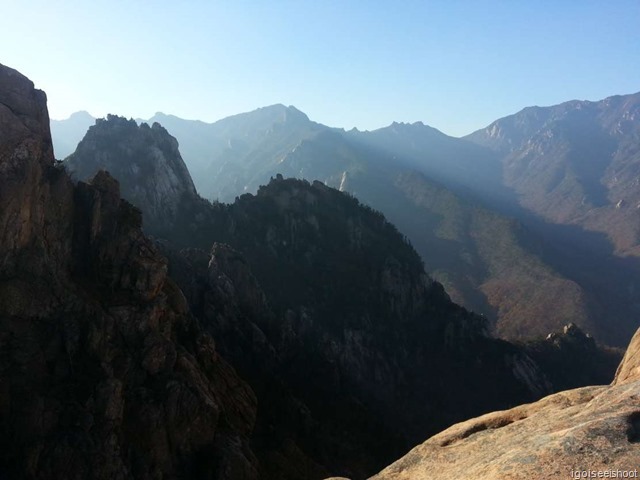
147,332
302,274
576,163
476,229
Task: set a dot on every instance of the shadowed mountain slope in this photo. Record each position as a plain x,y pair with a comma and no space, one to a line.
576,163
104,373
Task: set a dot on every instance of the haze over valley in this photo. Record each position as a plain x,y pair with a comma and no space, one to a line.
451,199
364,241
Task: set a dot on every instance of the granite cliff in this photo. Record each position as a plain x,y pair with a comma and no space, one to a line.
104,373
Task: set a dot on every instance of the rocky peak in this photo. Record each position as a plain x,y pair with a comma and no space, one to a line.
415,128
144,159
629,369
572,358
292,113
282,113
26,160
81,116
570,333
24,119
104,372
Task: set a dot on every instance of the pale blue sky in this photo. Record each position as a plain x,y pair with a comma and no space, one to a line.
451,64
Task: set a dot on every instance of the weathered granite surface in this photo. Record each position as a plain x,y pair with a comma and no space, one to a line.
594,429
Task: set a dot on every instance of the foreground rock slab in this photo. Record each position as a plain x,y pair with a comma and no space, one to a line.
587,431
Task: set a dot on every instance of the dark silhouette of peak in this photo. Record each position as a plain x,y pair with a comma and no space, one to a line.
348,297
573,358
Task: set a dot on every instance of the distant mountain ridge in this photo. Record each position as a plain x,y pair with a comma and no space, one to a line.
66,134
325,308
236,150
576,163
448,196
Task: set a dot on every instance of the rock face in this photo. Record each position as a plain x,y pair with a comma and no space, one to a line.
595,429
104,373
629,369
144,159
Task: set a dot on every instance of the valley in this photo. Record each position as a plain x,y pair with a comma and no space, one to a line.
294,332
454,200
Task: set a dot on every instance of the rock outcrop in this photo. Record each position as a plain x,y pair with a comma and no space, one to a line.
572,359
591,429
144,159
104,373
629,369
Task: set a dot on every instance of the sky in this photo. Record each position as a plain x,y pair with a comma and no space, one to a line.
454,65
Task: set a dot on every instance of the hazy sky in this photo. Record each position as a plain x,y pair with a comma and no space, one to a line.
454,65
